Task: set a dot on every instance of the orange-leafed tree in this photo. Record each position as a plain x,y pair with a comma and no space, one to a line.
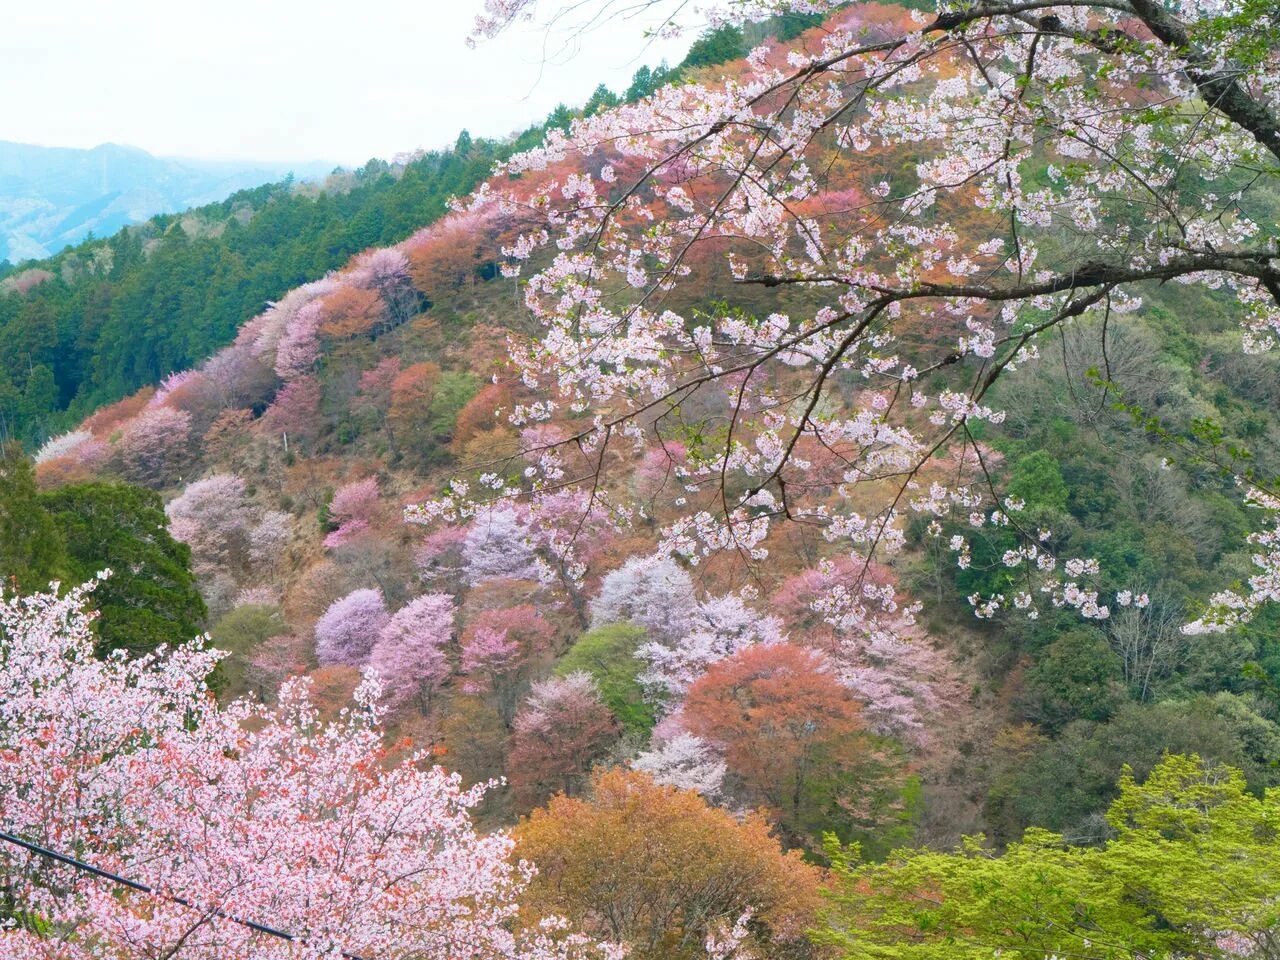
458,251
659,869
350,312
109,419
789,731
409,415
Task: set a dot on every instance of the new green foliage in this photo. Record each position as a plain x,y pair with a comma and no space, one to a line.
608,654
1190,870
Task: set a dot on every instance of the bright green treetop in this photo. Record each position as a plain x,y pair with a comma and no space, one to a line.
1192,871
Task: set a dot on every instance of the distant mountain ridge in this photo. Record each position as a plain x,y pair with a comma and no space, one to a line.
51,197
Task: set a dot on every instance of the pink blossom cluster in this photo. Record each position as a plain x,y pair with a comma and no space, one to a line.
266,814
353,507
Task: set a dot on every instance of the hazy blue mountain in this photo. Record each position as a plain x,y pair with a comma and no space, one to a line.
54,196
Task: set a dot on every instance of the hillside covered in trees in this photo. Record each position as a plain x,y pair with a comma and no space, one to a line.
54,197
814,503
119,312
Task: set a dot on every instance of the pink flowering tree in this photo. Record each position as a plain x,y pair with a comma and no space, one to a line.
353,509
410,655
244,813
559,734
686,635
501,650
155,445
568,533
1013,174
269,537
264,333
348,629
386,271
438,558
498,547
298,348
883,656
294,413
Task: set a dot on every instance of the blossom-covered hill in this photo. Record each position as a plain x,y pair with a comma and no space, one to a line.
538,643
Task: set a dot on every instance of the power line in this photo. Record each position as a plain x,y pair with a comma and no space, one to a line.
144,888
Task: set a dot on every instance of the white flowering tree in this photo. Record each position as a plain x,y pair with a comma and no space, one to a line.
896,216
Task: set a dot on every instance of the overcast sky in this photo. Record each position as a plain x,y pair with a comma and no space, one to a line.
289,80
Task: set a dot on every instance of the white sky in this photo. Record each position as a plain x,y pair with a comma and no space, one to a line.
289,80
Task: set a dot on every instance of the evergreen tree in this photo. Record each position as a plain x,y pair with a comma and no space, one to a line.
151,596
32,551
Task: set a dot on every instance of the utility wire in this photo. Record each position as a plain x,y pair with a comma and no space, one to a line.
144,888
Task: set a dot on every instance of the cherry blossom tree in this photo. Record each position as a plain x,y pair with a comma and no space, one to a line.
347,631
652,592
155,445
439,557
354,507
268,538
236,815
686,762
501,649
883,657
498,548
410,654
718,628
373,390
226,531
560,733
213,516
295,410
299,346
386,270
1016,170
62,445
1230,608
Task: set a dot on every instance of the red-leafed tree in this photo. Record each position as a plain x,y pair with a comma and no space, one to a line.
409,413
560,733
782,722
454,252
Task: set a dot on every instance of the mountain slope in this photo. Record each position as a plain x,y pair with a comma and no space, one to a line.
53,197
289,456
